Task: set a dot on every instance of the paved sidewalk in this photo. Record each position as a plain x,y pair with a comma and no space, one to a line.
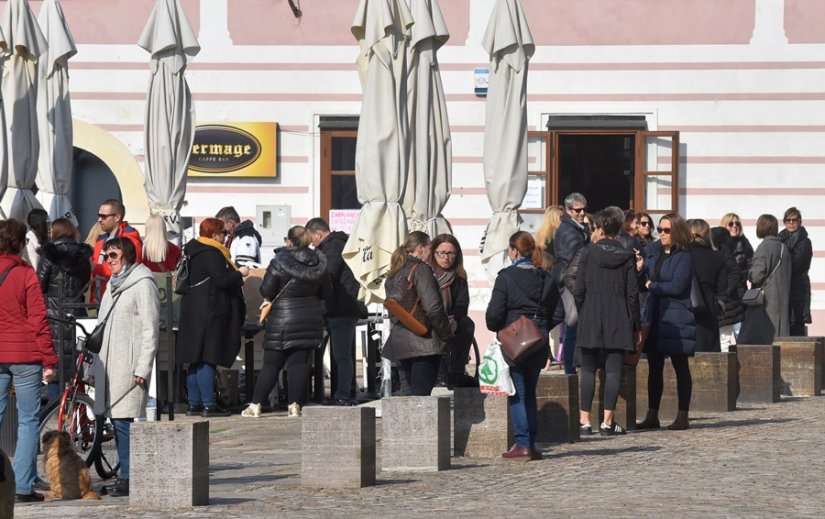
762,461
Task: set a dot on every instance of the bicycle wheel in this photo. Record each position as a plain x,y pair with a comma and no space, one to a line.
104,451
79,422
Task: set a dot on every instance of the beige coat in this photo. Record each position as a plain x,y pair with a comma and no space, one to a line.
130,342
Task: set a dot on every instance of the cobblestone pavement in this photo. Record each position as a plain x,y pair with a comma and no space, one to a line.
764,461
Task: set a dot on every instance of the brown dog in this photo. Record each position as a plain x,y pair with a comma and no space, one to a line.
67,473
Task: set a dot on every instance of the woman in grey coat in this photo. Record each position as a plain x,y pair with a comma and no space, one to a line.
131,308
771,271
419,356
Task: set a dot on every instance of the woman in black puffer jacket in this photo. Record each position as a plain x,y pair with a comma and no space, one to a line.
732,310
64,254
296,283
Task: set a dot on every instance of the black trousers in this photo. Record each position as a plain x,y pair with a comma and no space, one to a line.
656,382
421,373
460,345
611,362
297,364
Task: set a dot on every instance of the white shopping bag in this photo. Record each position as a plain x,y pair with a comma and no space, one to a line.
494,373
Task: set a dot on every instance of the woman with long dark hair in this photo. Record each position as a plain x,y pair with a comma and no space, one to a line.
64,269
419,356
38,235
447,263
524,288
295,284
667,274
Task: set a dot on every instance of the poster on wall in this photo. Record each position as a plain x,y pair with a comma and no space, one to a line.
342,219
229,149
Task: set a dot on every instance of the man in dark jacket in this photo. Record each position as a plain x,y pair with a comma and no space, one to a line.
242,240
572,235
342,306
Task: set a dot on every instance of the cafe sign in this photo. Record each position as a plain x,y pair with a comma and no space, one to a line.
234,150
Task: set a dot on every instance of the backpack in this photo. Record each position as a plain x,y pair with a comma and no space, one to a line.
183,284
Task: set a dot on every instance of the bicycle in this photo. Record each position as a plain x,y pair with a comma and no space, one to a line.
92,437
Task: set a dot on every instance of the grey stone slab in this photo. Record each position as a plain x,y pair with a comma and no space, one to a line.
415,433
338,447
169,464
481,424
759,372
801,365
557,396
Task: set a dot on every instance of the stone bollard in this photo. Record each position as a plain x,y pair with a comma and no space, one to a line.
169,464
415,433
759,378
714,385
482,426
558,405
338,445
625,412
801,365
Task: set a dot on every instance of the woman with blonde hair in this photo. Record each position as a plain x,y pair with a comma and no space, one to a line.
419,356
711,274
546,232
159,254
296,283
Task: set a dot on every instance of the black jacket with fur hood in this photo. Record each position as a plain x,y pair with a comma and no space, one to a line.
297,283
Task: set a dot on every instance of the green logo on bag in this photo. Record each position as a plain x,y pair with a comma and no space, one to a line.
488,373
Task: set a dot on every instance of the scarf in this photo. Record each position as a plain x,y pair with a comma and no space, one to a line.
117,280
223,250
445,280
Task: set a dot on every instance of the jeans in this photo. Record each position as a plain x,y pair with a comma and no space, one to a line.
523,406
122,427
26,379
297,365
200,381
342,338
569,343
420,373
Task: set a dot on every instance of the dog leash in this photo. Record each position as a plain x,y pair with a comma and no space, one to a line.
119,399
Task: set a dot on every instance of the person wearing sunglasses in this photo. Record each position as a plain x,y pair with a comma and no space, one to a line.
795,237
742,252
447,263
629,234
645,232
667,273
572,235
771,271
131,309
211,316
110,218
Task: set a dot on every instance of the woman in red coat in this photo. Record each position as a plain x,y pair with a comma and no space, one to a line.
27,354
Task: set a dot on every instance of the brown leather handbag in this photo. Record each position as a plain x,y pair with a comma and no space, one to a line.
407,307
522,337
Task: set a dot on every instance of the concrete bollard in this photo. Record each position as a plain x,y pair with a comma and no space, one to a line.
338,445
801,365
625,412
558,406
759,375
415,433
714,385
481,424
169,464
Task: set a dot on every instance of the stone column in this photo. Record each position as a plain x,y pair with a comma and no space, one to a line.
759,378
415,433
558,405
801,365
338,447
482,426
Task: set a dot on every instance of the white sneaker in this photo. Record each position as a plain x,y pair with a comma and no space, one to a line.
294,409
252,411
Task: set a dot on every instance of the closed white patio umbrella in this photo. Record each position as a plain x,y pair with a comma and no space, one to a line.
25,43
54,114
509,44
382,28
430,174
170,113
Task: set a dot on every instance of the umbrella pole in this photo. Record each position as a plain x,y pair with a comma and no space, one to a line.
170,364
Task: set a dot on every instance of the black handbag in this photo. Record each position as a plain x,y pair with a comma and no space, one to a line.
697,299
756,296
94,342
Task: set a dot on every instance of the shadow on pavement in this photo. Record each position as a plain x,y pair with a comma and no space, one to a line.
241,480
599,452
229,500
740,423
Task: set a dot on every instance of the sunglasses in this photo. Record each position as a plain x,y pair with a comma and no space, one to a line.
101,216
663,230
112,255
444,254
580,210
792,220
735,224
645,223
